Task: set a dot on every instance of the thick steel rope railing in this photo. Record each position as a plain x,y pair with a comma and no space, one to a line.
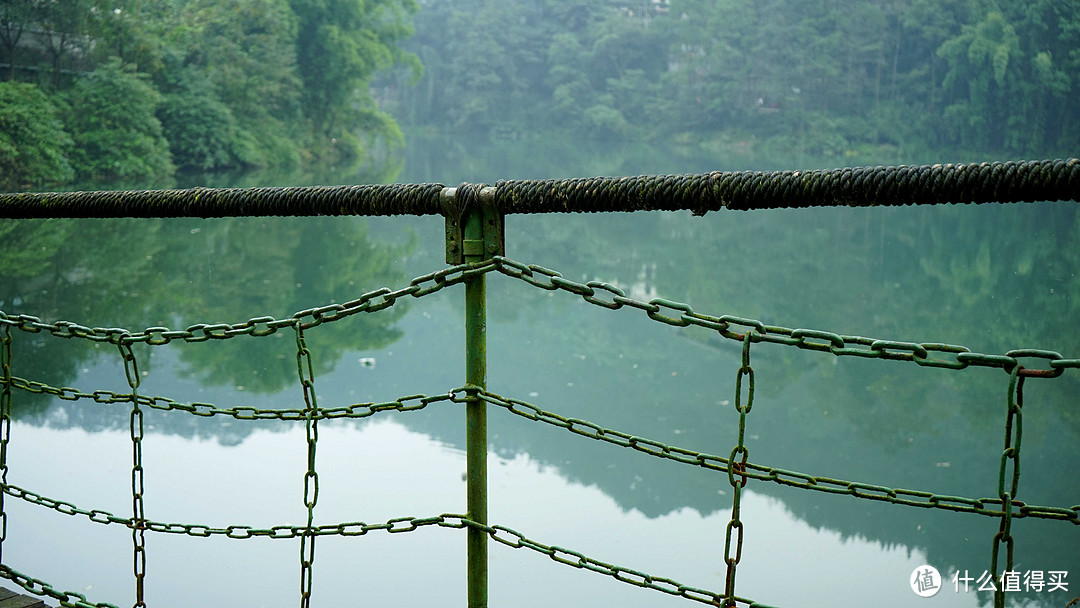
1000,182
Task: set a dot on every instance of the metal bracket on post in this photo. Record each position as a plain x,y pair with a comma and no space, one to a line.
457,203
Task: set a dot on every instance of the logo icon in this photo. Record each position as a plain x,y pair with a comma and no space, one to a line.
925,581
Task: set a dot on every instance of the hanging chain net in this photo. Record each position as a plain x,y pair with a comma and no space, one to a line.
1003,182
737,466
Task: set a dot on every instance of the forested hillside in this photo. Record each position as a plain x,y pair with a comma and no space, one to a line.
105,89
989,78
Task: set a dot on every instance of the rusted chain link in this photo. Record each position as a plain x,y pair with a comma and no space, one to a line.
517,540
604,295
737,467
409,403
5,426
68,599
731,327
1008,484
138,518
306,373
369,302
912,498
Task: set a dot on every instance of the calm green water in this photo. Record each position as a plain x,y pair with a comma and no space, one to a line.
992,278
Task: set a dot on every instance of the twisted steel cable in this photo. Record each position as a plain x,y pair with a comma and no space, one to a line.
1002,182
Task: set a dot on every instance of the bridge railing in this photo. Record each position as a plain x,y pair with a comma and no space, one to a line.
474,249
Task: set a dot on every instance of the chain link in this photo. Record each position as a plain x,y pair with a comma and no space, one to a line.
912,498
867,491
372,301
738,468
138,519
734,328
5,426
599,293
306,371
860,490
668,312
69,599
1014,427
517,540
501,534
237,531
409,403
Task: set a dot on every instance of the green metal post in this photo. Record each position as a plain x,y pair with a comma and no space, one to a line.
476,410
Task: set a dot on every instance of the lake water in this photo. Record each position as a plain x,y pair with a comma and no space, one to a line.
992,278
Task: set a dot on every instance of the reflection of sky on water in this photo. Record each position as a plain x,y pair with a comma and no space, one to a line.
382,470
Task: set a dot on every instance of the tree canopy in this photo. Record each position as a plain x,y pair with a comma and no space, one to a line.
204,84
978,77
261,83
33,143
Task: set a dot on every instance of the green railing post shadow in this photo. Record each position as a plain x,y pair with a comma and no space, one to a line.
474,231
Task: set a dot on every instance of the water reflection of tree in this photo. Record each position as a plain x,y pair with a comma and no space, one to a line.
989,277
281,267
174,273
90,272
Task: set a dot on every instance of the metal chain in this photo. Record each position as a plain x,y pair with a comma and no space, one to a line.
237,531
5,427
1014,426
408,403
69,599
398,525
586,429
912,498
594,292
138,518
682,315
578,426
517,540
311,477
737,467
369,302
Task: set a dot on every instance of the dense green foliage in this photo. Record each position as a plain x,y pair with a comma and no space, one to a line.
146,86
238,84
85,270
113,123
33,143
340,45
985,77
200,128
